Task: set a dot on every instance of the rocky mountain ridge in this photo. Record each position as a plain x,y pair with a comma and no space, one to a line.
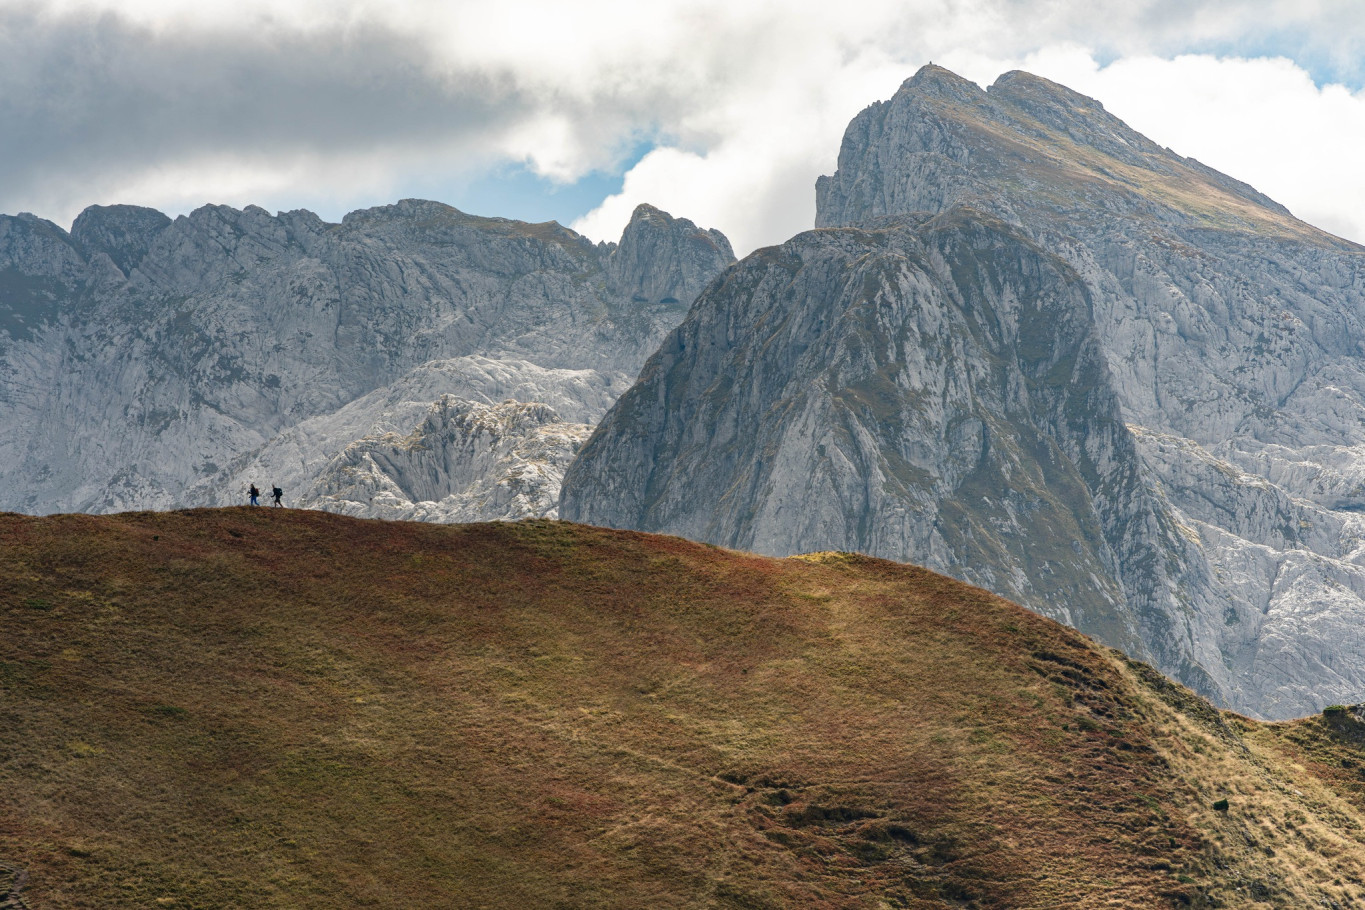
147,362
1225,334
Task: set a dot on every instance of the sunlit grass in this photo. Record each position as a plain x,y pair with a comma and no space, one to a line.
257,708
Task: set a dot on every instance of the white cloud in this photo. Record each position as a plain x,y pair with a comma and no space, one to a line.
747,162
747,101
1262,121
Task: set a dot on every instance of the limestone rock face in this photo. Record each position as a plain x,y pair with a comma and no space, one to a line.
149,363
1235,335
43,277
297,459
662,260
929,391
122,232
1227,335
464,462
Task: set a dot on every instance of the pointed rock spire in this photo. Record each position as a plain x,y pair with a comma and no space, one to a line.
662,259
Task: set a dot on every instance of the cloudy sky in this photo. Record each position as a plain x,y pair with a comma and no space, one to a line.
722,112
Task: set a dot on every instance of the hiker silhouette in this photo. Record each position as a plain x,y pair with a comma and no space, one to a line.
277,493
254,494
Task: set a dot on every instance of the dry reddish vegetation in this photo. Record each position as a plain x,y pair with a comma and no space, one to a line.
266,708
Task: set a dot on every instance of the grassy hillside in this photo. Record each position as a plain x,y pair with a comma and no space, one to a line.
266,708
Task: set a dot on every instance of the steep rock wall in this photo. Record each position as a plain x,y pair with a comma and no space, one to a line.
151,363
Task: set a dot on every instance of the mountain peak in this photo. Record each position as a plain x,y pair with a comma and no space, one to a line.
1131,313
646,212
662,259
1078,117
1027,147
1020,85
123,232
932,79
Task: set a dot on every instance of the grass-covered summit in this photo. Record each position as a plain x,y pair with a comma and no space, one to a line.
257,708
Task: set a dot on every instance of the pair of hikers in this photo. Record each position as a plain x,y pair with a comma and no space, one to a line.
276,493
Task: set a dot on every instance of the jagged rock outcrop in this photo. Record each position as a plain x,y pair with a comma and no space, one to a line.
1224,317
1231,339
300,459
150,363
464,462
660,258
124,233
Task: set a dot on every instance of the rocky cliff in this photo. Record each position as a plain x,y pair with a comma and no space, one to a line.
1220,524
149,363
932,391
464,462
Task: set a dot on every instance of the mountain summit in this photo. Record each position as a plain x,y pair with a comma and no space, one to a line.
1031,348
1025,146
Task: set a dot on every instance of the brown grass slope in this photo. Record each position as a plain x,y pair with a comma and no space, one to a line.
264,708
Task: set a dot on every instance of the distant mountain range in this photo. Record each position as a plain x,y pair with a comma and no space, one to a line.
151,363
1025,346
